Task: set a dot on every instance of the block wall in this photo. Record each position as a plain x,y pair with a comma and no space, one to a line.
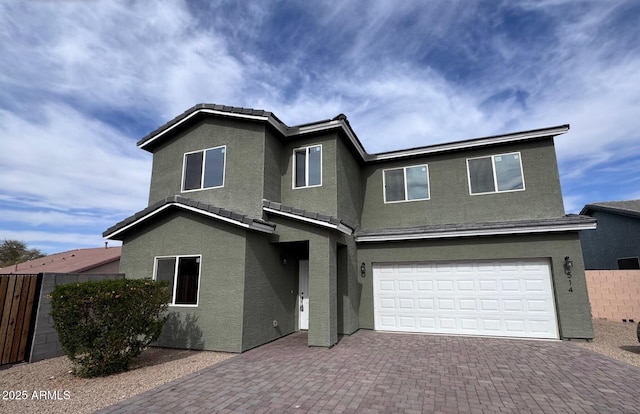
614,294
45,338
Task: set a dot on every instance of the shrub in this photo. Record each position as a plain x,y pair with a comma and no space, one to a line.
103,324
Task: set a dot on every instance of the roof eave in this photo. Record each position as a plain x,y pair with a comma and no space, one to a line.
476,232
265,228
472,143
341,227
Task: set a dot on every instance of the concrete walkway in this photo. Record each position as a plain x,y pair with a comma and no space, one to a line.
375,372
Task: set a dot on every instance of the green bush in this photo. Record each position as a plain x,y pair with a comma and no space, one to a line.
102,325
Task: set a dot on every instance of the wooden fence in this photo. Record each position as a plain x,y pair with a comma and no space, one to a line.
18,304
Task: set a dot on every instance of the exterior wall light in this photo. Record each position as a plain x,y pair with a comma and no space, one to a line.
568,265
283,259
363,270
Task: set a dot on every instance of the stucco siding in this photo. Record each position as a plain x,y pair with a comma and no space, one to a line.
574,317
323,198
616,237
244,164
216,322
450,200
272,173
270,293
349,185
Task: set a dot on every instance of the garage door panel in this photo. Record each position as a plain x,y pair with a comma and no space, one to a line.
466,285
445,285
497,298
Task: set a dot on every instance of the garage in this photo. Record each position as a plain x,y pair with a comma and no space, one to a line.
512,298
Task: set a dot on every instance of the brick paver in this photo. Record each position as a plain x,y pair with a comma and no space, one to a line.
375,372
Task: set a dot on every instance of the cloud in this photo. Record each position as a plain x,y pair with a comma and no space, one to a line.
68,161
80,82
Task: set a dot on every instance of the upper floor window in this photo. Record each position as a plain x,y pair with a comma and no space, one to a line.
307,166
406,184
496,173
183,274
203,169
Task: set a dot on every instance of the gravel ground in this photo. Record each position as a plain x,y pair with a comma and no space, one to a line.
69,394
156,366
617,340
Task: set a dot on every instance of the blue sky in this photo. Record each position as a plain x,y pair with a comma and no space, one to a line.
82,81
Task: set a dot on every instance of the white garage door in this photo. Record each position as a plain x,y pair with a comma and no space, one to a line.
495,298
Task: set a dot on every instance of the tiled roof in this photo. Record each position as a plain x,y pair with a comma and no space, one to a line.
342,124
73,261
566,223
628,208
318,218
214,107
192,205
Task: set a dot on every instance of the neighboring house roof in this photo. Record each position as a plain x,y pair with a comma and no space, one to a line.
626,208
568,223
73,261
307,216
194,206
339,123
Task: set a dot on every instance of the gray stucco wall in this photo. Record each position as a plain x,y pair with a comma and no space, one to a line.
616,237
244,169
450,201
45,337
272,167
349,185
270,293
573,309
216,323
321,199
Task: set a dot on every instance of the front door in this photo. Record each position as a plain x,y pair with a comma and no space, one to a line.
303,295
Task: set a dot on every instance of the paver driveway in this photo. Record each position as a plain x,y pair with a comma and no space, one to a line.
375,372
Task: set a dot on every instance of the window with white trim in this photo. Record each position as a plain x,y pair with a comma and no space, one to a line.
406,184
495,174
204,169
183,275
307,166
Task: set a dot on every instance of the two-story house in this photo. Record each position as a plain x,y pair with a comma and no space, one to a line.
263,229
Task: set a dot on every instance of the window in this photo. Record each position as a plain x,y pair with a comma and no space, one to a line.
204,169
628,263
183,274
406,184
307,166
495,174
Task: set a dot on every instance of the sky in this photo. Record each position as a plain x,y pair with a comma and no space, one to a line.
82,81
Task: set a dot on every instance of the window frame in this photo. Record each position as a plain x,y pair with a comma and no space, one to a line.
204,163
404,177
637,260
495,177
306,165
175,275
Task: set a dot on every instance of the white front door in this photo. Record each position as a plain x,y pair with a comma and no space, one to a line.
303,295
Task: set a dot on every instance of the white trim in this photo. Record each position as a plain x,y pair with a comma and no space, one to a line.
204,162
495,176
340,227
306,167
213,112
175,276
475,233
258,226
341,124
406,188
474,143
